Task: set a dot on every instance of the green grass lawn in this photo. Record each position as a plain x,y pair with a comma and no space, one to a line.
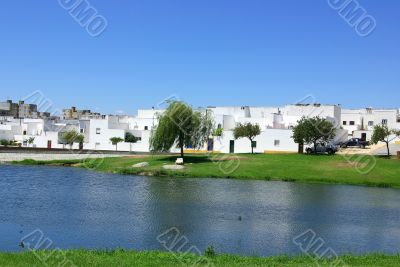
131,258
370,171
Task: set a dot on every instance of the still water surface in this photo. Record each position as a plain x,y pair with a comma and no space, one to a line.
76,208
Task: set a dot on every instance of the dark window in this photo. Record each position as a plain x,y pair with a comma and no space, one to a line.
370,123
352,123
384,122
146,128
277,142
98,130
81,130
344,122
24,132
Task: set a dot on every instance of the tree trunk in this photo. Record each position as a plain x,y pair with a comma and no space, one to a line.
181,141
116,147
315,147
388,149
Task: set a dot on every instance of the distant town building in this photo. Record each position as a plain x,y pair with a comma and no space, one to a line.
18,110
20,121
74,114
27,110
9,109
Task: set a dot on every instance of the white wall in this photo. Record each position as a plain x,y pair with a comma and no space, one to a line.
265,142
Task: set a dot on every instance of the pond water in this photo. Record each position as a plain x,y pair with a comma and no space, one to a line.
76,208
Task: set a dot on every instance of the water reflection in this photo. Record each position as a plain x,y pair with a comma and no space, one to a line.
78,208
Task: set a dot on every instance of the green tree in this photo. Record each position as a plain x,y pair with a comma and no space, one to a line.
247,130
181,126
218,132
115,141
383,134
30,140
313,130
131,139
4,142
71,137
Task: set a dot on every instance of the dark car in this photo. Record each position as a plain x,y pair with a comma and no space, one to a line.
355,142
322,148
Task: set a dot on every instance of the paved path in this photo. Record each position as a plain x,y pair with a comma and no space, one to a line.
376,150
383,150
8,157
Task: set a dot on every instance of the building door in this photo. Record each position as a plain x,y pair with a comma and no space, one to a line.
49,144
232,146
210,145
364,136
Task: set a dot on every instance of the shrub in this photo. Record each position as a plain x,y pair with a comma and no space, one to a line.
4,142
210,252
218,132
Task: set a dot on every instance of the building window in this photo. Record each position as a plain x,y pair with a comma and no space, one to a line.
277,142
398,119
82,130
253,144
352,122
146,128
370,123
98,130
384,122
219,126
344,122
24,132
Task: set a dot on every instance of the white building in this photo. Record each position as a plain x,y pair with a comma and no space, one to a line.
360,122
276,125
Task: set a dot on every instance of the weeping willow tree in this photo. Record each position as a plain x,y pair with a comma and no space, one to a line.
181,126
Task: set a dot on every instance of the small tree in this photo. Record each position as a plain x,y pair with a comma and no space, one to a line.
181,126
218,132
382,134
80,138
30,140
131,139
71,137
313,131
4,142
115,141
247,130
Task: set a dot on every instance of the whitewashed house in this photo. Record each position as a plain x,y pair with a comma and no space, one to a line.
276,125
360,122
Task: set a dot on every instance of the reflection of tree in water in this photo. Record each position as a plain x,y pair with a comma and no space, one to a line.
205,211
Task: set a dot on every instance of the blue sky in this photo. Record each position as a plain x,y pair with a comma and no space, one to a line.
209,52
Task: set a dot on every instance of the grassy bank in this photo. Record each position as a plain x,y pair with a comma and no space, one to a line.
380,172
125,258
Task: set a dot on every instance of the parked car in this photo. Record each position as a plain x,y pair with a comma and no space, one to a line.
355,142
322,148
